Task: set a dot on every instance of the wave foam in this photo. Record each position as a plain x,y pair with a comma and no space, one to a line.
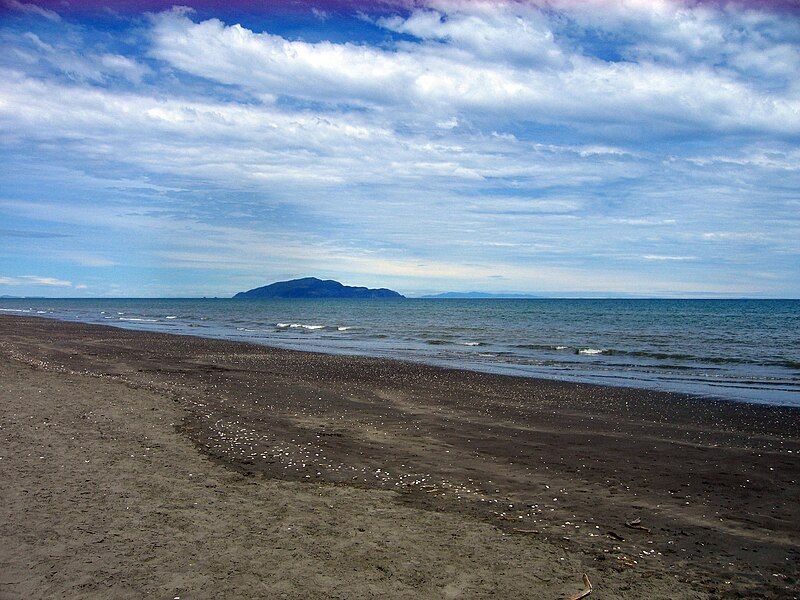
298,326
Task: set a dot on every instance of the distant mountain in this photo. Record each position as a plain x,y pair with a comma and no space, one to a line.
311,287
478,295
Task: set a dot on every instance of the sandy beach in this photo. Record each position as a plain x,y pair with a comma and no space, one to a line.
138,464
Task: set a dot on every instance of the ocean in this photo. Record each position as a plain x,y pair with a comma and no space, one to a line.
745,350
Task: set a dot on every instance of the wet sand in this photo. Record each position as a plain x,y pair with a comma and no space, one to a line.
151,464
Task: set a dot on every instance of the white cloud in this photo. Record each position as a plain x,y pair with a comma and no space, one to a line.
516,32
644,221
734,37
80,65
32,9
35,280
84,259
449,71
732,235
263,144
124,66
662,257
450,123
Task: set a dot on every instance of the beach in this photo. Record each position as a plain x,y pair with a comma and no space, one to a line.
148,464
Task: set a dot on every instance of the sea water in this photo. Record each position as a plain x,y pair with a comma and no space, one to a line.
746,350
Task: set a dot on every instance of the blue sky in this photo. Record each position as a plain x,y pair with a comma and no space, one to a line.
609,146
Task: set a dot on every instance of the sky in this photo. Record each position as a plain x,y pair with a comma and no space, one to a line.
600,147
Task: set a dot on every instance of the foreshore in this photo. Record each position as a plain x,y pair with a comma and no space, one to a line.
137,464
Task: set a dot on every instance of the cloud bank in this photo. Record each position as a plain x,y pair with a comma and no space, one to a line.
612,145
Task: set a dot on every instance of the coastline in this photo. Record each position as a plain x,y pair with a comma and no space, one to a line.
534,468
749,357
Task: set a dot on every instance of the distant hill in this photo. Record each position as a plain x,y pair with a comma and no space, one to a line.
478,295
311,287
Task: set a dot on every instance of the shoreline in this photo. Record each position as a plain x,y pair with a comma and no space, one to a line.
553,465
751,363
493,370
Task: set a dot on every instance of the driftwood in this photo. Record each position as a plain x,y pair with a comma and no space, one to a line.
526,530
615,535
636,524
587,589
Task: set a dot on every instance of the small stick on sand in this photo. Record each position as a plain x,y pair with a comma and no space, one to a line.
636,524
587,589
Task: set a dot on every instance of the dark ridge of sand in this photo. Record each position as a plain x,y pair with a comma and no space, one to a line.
332,476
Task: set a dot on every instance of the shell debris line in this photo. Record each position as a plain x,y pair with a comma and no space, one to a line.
313,459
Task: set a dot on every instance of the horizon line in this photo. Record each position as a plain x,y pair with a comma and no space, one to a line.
495,296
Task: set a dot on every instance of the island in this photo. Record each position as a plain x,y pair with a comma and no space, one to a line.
311,287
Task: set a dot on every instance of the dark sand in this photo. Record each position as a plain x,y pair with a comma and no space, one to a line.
137,464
